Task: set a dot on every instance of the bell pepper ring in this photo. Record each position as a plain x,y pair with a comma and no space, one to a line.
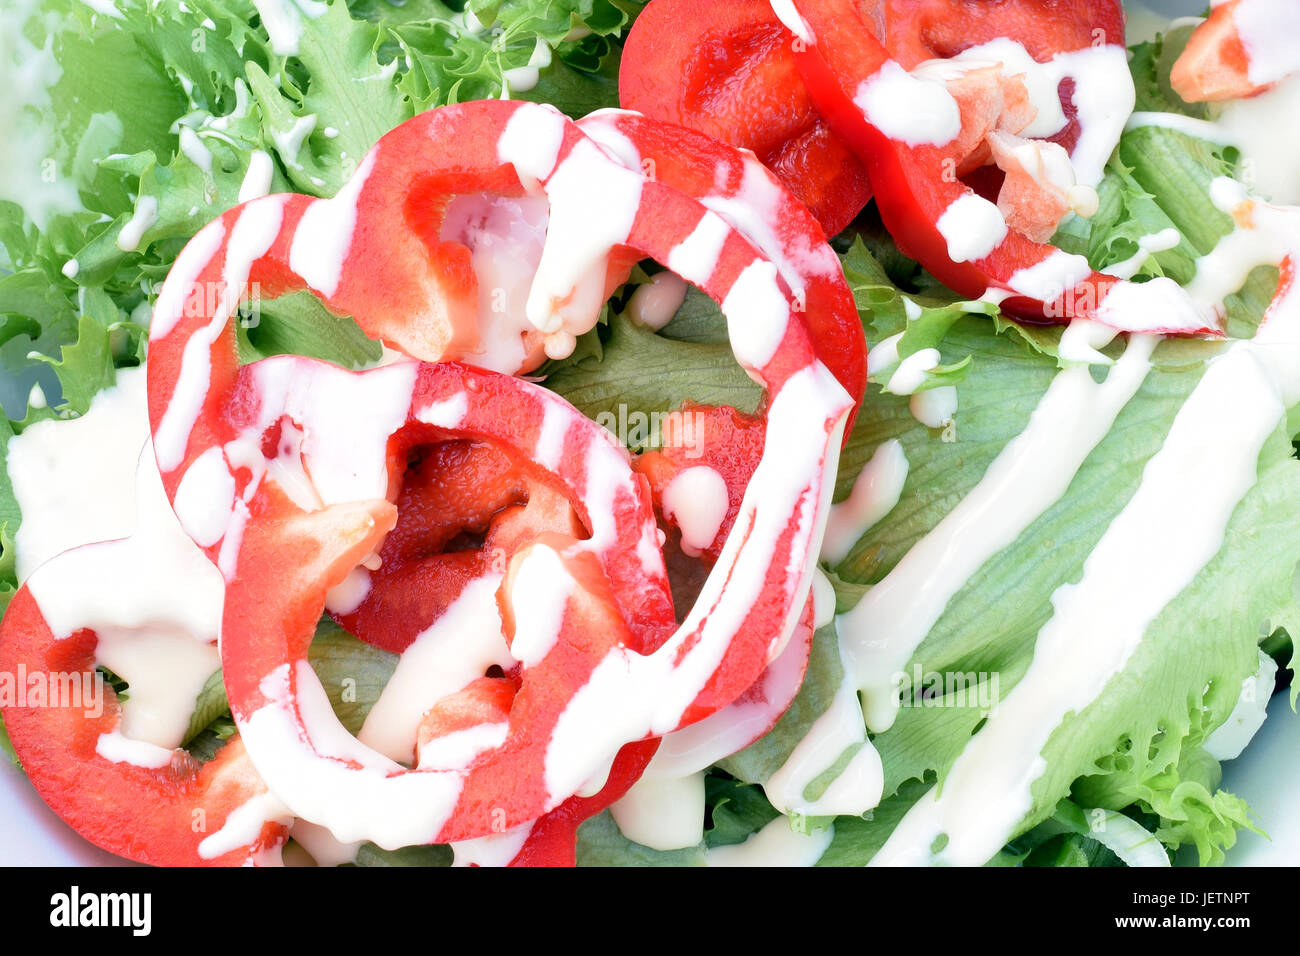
752,200
459,488
552,840
303,515
146,802
731,446
914,133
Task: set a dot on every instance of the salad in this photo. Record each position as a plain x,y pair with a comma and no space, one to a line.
539,432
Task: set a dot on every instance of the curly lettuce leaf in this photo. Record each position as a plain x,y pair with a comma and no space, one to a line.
105,181
1184,678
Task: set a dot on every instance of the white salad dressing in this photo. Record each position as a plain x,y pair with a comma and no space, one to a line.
205,498
755,209
1268,31
505,237
257,179
446,413
1081,340
53,464
1170,529
696,501
119,748
700,745
457,648
145,215
243,824
166,667
858,786
972,226
1148,246
663,813
1030,474
758,297
785,12
283,20
495,849
911,372
934,407
345,420
252,235
323,848
333,793
540,583
654,303
568,289
696,256
152,598
194,150
324,234
549,450
875,492
1263,128
884,354
521,79
1154,305
777,844
1047,279
908,108
457,750
182,280
1187,125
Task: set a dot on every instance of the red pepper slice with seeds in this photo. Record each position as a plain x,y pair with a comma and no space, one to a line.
915,132
307,512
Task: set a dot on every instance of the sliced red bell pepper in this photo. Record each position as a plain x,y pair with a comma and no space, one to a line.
1223,59
552,840
727,70
722,439
918,30
177,813
453,495
457,488
280,554
755,203
912,149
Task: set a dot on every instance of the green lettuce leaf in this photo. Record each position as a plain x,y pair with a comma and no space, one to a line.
736,810
600,843
639,371
300,324
368,854
1183,680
